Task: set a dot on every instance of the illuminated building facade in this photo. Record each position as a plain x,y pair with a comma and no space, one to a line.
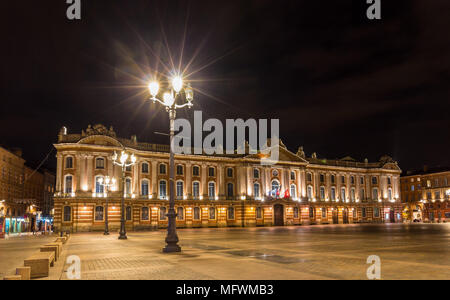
427,195
216,191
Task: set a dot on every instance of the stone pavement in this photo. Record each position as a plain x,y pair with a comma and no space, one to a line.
13,251
416,251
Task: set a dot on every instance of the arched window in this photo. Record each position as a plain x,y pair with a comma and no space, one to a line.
100,163
212,213
99,213
352,195
230,213
180,189
144,215
162,214
196,189
196,213
390,194
296,214
211,190
322,193
275,188
343,195
68,184
128,186
230,190
145,168
99,187
333,194
375,194
180,213
128,213
293,191
144,187
256,190
309,192
67,214
69,162
259,214
162,189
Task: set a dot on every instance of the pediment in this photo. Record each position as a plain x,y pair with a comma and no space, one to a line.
100,140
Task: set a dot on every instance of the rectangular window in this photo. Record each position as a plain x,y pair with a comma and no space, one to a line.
212,213
196,171
292,175
361,180
180,214
230,172
99,213
196,213
231,213
162,169
259,212
211,172
376,212
196,189
179,170
162,214
322,178
99,163
256,173
145,168
374,180
145,215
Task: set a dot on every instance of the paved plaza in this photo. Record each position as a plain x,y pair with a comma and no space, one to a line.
416,251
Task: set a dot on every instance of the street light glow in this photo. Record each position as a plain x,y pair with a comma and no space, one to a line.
153,87
177,83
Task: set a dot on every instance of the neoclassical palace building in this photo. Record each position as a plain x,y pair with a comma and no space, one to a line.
215,191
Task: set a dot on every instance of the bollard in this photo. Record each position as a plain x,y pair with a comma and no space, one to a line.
24,272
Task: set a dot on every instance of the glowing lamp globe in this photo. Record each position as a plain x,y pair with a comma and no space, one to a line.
153,87
168,99
177,83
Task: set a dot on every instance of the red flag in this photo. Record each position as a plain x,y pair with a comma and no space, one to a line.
287,194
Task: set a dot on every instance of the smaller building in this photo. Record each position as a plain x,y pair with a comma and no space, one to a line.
426,195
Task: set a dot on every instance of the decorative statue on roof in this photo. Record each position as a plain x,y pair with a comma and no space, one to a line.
300,152
111,132
386,159
89,130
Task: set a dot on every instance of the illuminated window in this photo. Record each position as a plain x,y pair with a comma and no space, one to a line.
196,213
99,213
144,188
180,189
196,189
309,192
212,213
180,213
230,213
293,191
68,184
211,190
259,212
322,193
128,186
99,187
256,190
162,189
333,194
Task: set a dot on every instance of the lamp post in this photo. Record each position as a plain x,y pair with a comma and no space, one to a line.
169,101
107,183
123,162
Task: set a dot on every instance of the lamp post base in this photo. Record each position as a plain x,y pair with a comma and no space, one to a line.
123,237
172,249
106,233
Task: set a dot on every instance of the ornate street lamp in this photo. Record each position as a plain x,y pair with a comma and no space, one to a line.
107,183
123,161
169,101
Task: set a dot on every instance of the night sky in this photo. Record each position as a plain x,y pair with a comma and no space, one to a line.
339,83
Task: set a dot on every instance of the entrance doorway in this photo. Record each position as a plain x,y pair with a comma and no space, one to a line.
335,216
392,216
345,215
278,215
